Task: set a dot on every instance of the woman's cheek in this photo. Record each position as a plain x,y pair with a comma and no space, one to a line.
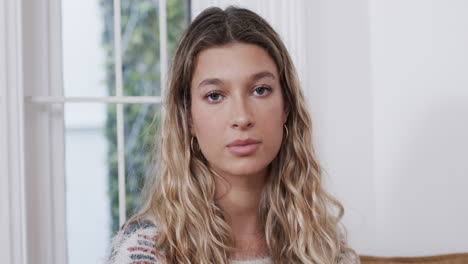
210,138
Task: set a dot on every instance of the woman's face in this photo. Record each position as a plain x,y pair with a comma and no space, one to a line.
236,95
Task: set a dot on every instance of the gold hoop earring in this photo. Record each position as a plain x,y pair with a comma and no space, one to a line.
287,132
191,144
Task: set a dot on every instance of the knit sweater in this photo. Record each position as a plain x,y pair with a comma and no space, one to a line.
136,245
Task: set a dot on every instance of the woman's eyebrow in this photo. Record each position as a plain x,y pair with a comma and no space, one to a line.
263,74
255,77
210,81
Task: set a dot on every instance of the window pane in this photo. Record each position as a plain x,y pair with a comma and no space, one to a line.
88,47
177,21
141,136
88,204
141,43
91,133
140,47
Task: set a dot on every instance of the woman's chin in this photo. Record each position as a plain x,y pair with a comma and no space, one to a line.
246,170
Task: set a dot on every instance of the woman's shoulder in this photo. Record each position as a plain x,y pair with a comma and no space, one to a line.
350,259
350,256
134,243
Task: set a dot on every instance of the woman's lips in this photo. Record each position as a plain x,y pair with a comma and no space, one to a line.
244,150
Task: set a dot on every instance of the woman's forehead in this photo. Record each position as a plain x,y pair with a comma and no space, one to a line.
237,61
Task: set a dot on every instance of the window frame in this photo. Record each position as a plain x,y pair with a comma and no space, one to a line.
12,180
33,126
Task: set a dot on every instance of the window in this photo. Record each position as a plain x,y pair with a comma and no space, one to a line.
109,102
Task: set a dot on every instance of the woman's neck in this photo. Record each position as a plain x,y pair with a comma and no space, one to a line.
239,198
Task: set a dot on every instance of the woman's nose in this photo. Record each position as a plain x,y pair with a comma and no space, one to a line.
242,115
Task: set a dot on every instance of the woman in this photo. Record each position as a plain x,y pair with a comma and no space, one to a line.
238,181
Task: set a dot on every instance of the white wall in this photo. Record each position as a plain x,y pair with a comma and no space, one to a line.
342,112
387,85
420,97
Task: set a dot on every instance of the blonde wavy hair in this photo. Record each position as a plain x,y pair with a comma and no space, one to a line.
301,220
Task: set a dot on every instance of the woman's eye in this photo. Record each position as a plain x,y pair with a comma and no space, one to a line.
213,97
262,90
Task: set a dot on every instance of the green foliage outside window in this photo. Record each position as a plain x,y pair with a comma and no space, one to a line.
141,77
